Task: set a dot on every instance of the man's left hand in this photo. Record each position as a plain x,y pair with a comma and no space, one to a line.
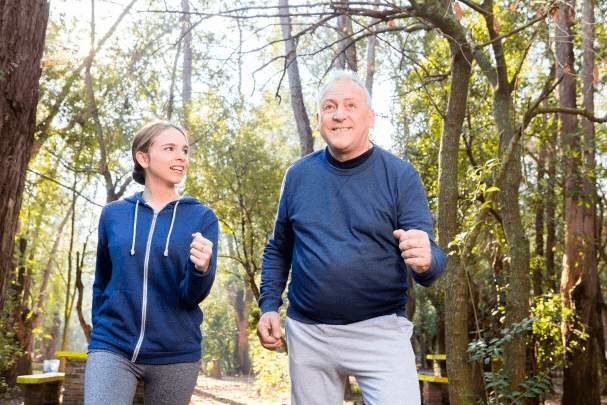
415,248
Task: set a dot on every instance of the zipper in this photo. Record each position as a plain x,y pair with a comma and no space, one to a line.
144,304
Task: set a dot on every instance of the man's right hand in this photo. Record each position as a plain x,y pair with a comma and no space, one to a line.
268,330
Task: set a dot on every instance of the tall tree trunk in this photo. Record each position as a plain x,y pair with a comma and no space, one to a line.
186,90
551,219
371,55
579,281
306,141
461,388
22,34
346,48
517,304
39,311
113,190
539,221
241,302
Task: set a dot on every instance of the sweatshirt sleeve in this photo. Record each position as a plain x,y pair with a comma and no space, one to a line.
414,213
277,257
103,267
196,286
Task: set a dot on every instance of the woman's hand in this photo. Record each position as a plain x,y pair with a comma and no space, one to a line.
201,250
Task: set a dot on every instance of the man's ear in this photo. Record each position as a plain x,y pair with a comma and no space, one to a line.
371,118
142,158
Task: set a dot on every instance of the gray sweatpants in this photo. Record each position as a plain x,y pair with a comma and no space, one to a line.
110,379
377,352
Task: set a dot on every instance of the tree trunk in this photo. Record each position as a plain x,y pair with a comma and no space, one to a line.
579,281
346,48
371,56
551,219
241,302
461,389
517,304
186,91
306,141
38,312
539,222
22,34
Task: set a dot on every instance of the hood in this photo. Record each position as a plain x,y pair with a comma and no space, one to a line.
138,200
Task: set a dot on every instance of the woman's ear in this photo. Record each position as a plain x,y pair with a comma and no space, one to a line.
142,158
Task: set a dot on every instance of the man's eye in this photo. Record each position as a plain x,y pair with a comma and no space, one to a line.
329,108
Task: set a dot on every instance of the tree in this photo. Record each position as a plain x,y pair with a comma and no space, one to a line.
306,140
579,282
22,34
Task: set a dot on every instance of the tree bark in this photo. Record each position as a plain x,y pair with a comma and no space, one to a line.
346,48
461,387
579,281
517,304
22,34
186,90
551,219
371,56
306,140
539,221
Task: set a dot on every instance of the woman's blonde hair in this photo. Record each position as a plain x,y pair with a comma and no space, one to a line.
144,138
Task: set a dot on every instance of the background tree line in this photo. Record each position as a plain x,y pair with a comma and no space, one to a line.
499,104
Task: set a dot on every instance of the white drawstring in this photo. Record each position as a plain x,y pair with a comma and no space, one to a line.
166,249
134,228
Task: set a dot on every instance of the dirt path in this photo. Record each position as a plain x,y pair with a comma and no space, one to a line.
232,391
236,391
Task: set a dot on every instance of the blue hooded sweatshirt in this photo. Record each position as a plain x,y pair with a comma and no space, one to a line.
147,290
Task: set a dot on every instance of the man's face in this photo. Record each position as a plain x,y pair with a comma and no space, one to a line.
344,120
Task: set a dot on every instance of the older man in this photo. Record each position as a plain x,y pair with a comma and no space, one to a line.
351,218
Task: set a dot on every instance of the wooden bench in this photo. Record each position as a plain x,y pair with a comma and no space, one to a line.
41,389
432,387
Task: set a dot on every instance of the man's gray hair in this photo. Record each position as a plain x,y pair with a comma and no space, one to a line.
341,74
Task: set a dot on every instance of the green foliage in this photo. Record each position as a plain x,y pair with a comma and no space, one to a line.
271,368
9,349
549,313
496,381
219,325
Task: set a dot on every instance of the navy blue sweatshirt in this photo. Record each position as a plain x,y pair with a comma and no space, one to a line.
334,231
147,290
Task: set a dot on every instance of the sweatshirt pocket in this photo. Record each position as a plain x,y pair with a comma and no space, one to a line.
170,327
119,318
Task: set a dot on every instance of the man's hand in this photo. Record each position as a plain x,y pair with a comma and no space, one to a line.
201,250
268,330
415,248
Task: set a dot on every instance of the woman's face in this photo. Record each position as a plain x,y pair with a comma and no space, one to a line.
166,162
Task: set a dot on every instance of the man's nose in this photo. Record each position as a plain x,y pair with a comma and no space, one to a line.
338,114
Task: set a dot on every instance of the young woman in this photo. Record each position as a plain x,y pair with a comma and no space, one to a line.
156,261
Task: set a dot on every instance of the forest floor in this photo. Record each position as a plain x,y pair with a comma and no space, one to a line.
240,390
229,390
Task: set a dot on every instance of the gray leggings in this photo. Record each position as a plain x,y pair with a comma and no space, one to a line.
110,379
